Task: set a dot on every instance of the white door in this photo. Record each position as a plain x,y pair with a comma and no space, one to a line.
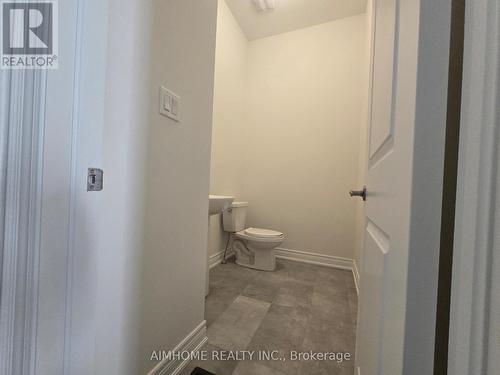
407,120
49,269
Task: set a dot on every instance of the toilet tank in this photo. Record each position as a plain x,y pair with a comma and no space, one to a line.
235,216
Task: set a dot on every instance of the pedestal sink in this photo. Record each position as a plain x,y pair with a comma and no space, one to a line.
216,205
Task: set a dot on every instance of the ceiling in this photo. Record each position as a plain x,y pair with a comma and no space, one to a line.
290,15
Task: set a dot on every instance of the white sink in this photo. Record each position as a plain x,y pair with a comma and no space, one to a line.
218,203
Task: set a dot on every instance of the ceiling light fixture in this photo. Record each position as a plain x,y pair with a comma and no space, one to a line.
264,5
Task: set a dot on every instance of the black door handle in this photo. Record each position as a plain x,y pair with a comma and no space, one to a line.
359,193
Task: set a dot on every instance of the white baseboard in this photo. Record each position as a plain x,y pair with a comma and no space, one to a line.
216,258
355,273
314,258
192,343
320,259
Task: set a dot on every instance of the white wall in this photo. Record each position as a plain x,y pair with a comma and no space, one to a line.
152,242
125,125
177,174
305,108
229,114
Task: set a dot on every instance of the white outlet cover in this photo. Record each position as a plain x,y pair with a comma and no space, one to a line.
169,104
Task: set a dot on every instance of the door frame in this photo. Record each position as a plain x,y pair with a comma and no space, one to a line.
449,185
23,98
475,290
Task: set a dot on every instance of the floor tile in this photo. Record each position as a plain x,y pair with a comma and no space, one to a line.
261,290
319,340
299,307
350,282
255,368
336,275
234,329
217,302
282,330
301,272
215,366
231,270
326,368
294,293
331,308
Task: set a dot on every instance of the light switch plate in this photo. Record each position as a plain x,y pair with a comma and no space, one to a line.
169,104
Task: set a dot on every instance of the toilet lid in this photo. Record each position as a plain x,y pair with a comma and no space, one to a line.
264,233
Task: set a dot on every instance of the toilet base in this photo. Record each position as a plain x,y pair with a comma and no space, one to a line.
268,268
262,259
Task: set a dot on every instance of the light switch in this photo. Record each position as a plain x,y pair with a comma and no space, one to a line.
167,100
175,106
169,104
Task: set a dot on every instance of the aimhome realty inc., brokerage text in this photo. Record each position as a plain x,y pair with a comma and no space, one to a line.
249,355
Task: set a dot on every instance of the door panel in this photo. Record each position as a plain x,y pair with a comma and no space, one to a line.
385,218
406,141
376,250
381,129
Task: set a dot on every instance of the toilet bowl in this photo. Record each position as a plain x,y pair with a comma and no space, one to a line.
254,247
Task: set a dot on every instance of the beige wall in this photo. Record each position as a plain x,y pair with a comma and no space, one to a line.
120,234
153,228
177,175
228,140
304,111
229,104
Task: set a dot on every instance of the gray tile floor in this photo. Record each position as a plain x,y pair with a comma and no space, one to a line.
299,307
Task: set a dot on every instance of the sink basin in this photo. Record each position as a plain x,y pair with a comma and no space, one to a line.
218,203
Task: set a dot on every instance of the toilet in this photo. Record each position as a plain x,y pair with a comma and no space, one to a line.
254,247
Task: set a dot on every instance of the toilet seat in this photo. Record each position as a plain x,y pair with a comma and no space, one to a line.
262,233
